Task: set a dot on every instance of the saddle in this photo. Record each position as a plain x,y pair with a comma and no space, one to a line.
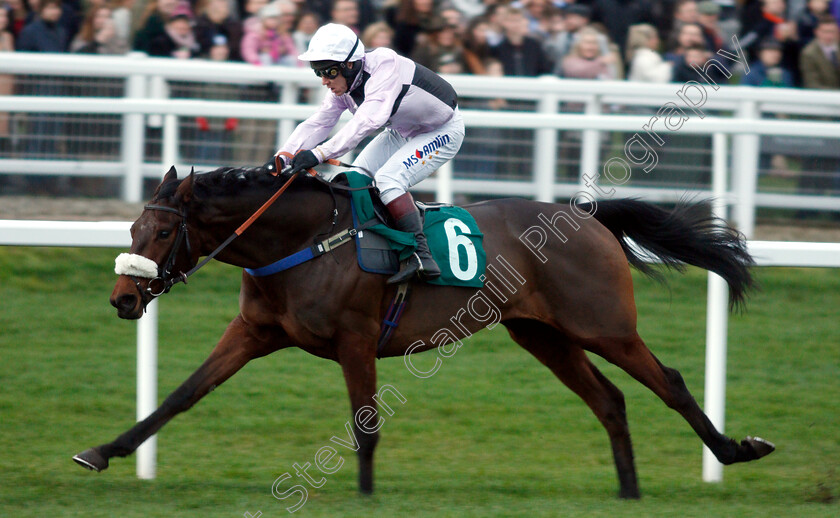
379,209
454,238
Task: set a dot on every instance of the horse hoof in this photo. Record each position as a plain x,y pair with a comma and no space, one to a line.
760,446
629,494
92,460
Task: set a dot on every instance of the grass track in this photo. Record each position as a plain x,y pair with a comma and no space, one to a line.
492,434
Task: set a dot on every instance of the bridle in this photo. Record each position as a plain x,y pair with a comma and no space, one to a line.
165,278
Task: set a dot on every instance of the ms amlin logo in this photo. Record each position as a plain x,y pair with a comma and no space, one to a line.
428,149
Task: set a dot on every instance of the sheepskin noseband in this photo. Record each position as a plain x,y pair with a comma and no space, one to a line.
136,265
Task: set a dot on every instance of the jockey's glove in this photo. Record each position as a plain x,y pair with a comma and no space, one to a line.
270,165
304,161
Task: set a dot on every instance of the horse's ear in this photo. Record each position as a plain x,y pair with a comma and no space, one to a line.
172,174
185,190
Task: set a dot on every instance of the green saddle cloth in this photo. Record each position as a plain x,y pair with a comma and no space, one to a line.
453,235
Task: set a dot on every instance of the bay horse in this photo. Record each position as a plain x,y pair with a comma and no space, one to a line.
570,295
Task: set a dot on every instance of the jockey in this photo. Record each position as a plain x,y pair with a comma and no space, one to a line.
417,109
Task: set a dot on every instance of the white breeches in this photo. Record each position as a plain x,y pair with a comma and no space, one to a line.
398,163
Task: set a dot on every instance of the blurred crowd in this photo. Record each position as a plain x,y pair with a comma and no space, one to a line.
793,43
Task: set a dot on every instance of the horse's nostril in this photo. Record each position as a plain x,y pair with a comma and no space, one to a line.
124,302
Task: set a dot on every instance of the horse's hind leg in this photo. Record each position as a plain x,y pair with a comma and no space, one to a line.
569,363
635,358
237,346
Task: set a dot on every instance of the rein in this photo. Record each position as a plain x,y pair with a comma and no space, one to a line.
166,279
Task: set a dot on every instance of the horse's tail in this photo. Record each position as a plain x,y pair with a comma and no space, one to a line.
688,234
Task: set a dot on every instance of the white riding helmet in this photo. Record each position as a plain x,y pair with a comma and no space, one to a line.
334,42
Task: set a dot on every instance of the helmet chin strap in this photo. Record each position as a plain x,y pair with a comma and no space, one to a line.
350,72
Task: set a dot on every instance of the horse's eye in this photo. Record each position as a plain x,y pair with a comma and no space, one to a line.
163,234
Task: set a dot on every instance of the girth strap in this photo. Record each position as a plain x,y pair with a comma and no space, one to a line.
392,316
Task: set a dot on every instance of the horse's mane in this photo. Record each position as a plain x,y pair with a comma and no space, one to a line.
236,181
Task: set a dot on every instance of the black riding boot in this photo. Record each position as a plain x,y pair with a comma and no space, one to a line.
421,261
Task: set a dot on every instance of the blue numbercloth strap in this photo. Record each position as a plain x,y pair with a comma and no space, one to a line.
283,264
316,250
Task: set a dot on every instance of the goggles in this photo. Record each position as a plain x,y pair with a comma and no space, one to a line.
328,72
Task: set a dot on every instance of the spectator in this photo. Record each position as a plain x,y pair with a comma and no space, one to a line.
618,15
807,21
269,42
519,53
121,15
685,11
749,15
587,60
369,12
820,59
820,65
408,19
178,39
320,7
772,24
366,10
219,49
7,44
153,23
216,20
645,62
44,33
708,16
346,12
610,48
454,18
98,34
440,47
728,22
18,15
70,18
305,28
538,14
767,71
288,16
7,38
476,47
251,17
694,56
496,13
234,8
562,33
688,35
377,35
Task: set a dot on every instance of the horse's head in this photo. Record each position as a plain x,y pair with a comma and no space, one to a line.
160,249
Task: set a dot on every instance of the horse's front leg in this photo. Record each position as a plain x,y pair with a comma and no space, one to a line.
239,344
358,363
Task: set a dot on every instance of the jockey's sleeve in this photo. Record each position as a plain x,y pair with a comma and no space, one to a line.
317,127
381,91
